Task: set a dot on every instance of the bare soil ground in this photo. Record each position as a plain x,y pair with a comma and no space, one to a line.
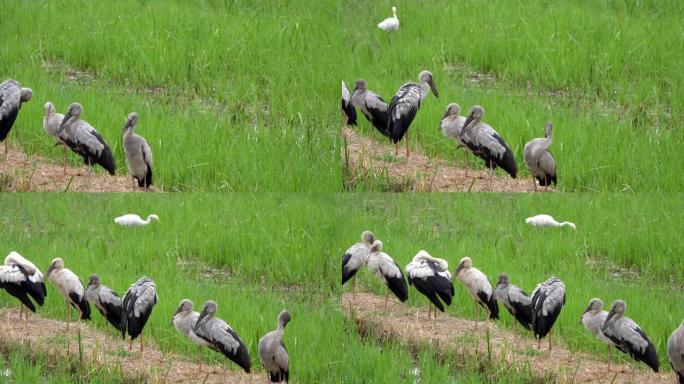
420,173
104,350
449,334
21,173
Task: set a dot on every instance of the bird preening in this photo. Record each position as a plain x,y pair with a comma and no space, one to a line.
431,277
12,96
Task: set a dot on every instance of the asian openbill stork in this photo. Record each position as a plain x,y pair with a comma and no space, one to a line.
487,144
51,123
516,301
431,277
675,351
388,271
355,258
348,109
137,306
548,299
12,95
593,319
479,287
23,280
273,353
451,126
539,160
221,336
138,153
373,107
628,336
71,289
85,141
107,302
184,320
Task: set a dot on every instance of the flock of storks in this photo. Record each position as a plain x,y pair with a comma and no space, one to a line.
394,119
22,279
72,132
536,312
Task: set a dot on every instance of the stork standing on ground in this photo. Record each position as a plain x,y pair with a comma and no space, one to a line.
85,141
22,279
451,126
404,106
628,336
137,306
184,320
516,301
391,23
373,107
273,353
548,298
138,153
131,220
675,351
71,289
487,144
12,96
107,302
544,221
539,160
593,319
221,336
388,271
348,109
355,258
479,287
431,277
51,124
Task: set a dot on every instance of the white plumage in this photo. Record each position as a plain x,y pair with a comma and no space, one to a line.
132,220
70,287
390,23
12,96
185,319
387,270
452,126
22,279
478,286
431,277
544,220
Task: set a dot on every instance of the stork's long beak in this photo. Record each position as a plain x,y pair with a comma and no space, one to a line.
66,118
469,120
433,87
610,316
583,313
50,269
458,269
178,310
200,318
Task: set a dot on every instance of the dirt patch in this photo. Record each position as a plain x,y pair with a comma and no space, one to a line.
51,337
21,173
367,157
452,335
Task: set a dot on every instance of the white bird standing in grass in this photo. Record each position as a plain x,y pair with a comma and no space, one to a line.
391,23
355,258
71,288
479,287
593,319
273,353
547,221
132,220
675,351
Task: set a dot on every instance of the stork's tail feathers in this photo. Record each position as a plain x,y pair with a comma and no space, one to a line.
279,377
493,309
83,305
508,163
547,180
398,286
680,377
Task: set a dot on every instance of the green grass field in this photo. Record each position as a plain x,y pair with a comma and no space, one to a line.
244,96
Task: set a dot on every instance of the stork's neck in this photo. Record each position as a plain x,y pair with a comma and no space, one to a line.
424,90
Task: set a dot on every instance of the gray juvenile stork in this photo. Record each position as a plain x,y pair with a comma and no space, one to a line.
71,289
184,320
137,306
593,319
51,123
273,353
348,109
539,160
451,126
404,106
675,351
85,141
388,271
548,299
373,107
107,302
487,144
22,279
221,336
479,287
355,258
516,301
431,277
628,336
12,95
138,153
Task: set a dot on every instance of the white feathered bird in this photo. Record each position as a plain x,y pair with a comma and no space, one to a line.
132,220
547,221
390,23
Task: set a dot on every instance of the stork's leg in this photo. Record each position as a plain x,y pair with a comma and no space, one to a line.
538,343
130,345
199,348
429,310
549,340
90,168
465,161
354,289
141,342
386,296
608,357
6,146
21,311
475,313
396,149
534,184
407,144
65,161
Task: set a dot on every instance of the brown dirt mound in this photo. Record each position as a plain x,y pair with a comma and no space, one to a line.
455,335
420,173
50,336
20,173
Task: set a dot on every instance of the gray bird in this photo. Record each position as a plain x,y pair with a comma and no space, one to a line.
539,160
348,109
221,336
451,126
628,336
137,306
373,107
12,95
404,106
479,288
51,124
273,353
487,144
548,298
593,319
85,141
675,351
184,320
355,258
138,153
70,287
107,302
516,301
